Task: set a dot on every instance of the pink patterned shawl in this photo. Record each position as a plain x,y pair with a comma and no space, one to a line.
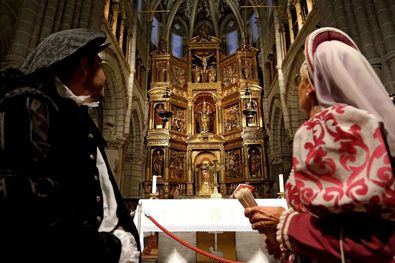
341,74
340,164
340,159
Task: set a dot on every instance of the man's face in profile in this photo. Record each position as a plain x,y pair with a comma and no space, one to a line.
96,79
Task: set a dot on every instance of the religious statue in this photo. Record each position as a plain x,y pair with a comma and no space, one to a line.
176,167
204,61
234,167
157,163
177,120
203,32
205,188
211,74
177,75
247,70
251,120
254,162
158,122
196,74
162,46
204,119
161,71
231,118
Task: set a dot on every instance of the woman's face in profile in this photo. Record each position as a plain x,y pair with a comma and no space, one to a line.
302,85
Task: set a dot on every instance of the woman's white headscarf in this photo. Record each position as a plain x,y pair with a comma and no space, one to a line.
341,74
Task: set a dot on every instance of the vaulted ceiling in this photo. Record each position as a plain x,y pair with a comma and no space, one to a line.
194,13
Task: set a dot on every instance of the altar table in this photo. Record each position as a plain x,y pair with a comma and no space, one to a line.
196,215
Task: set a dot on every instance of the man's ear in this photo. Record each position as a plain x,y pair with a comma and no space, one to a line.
84,66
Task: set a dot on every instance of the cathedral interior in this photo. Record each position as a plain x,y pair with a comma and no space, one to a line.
200,95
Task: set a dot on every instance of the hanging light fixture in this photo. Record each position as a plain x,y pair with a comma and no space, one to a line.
165,115
249,111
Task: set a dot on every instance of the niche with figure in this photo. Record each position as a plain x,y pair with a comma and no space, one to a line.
157,161
204,111
204,66
233,164
254,162
204,177
158,108
177,168
232,118
251,120
178,119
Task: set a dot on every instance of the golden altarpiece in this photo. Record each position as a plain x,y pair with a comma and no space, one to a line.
207,140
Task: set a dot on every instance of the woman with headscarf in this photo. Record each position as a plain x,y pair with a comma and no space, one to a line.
342,188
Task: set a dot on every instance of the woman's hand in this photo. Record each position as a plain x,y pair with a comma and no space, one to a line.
265,220
262,218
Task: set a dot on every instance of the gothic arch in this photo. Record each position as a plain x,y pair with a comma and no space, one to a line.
134,151
114,106
276,126
297,116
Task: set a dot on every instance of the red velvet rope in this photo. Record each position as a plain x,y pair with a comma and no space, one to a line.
198,250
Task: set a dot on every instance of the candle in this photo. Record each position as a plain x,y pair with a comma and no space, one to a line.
154,184
281,182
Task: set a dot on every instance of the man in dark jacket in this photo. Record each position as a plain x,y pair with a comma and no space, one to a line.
78,214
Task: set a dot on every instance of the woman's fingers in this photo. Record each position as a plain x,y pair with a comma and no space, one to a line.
262,226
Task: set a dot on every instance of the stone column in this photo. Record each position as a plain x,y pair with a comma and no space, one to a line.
377,39
351,21
19,48
299,17
309,5
284,41
131,57
107,9
281,82
121,31
290,25
115,10
363,28
387,30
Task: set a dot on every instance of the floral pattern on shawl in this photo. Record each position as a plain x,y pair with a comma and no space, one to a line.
341,164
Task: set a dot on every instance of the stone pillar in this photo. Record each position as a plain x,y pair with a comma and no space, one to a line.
121,31
290,25
367,45
309,5
281,82
131,57
115,10
351,21
107,9
283,41
299,17
387,30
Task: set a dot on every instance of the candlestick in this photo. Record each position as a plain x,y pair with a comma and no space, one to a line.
281,182
154,184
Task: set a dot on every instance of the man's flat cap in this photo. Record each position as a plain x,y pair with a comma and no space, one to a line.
62,45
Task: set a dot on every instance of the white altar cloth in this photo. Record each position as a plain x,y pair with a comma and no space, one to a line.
196,215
